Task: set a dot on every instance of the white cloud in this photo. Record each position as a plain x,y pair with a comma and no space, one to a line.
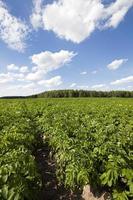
45,62
48,61
94,72
10,77
17,76
33,80
13,31
5,78
24,69
83,73
98,86
83,87
53,82
117,11
125,80
73,85
12,67
34,69
76,20
116,64
35,76
73,20
68,19
22,89
28,88
8,86
36,17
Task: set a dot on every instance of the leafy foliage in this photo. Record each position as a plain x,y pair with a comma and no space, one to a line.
90,139
92,143
18,172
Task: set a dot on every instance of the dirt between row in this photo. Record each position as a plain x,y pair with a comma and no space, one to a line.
51,190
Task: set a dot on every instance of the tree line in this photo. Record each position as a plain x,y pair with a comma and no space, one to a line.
83,93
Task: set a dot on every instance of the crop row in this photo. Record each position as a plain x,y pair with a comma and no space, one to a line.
19,178
91,142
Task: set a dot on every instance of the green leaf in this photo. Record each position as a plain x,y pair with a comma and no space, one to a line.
5,191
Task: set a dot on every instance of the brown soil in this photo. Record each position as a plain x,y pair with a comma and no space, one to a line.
51,190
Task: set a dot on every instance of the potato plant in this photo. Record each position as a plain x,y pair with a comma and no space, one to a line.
92,144
19,178
91,141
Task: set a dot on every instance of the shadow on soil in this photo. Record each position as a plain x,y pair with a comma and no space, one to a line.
51,190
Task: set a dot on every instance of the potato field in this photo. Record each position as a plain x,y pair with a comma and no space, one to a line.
85,141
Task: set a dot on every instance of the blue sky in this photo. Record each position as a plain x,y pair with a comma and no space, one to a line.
82,44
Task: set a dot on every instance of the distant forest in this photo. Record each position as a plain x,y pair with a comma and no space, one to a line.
75,94
82,93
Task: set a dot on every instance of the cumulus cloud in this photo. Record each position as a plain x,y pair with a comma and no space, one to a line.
24,69
98,86
53,82
5,78
116,64
79,22
76,20
27,78
10,77
116,12
83,73
36,16
35,76
27,88
22,89
125,80
21,69
16,84
44,62
18,76
48,61
68,19
73,85
12,67
83,87
13,31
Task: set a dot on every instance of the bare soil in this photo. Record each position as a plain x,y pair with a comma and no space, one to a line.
51,190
